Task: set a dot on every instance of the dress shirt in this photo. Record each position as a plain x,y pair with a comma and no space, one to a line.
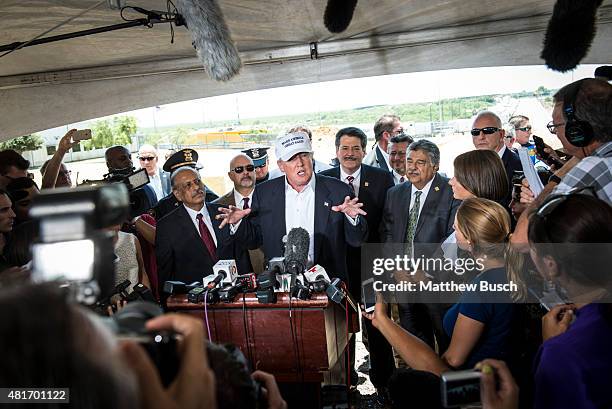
238,199
356,181
206,217
300,210
156,183
385,155
502,151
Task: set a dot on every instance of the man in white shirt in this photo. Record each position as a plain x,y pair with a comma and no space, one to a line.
319,204
385,128
158,179
242,174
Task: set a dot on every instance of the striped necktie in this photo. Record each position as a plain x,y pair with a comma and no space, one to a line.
413,219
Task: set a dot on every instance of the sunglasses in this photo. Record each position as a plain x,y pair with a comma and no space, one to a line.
487,130
147,158
524,129
239,169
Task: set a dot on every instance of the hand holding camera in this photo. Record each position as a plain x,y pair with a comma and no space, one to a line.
193,386
498,390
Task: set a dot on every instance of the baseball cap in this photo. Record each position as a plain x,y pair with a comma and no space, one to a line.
291,144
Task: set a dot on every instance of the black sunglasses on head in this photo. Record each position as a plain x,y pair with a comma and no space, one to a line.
239,169
486,130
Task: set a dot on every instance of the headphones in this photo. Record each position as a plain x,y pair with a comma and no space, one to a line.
578,132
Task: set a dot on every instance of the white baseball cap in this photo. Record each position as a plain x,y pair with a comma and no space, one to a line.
290,144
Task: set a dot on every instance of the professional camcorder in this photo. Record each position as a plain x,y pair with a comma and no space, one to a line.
134,181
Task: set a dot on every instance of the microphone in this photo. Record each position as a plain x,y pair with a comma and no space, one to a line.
211,38
224,271
296,250
316,273
570,33
338,14
336,292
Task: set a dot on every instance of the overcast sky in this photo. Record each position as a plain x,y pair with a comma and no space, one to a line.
360,92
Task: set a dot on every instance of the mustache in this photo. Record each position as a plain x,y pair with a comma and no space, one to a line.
350,157
197,192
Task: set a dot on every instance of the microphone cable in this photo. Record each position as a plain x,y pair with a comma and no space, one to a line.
294,341
246,330
206,313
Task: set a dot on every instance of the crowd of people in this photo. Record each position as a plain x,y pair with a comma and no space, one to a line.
558,239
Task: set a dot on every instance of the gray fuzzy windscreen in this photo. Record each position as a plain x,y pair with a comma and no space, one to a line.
211,38
298,242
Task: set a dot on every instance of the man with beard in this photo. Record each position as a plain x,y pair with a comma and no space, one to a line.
242,174
188,241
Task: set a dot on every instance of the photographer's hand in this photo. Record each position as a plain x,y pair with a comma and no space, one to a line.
271,391
194,385
557,321
492,397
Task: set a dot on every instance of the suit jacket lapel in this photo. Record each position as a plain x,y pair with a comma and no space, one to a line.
278,196
381,159
323,206
186,225
403,212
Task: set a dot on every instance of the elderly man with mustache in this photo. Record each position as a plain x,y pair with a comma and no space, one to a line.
188,240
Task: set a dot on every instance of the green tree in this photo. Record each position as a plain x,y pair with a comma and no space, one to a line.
153,138
124,128
101,135
23,143
179,136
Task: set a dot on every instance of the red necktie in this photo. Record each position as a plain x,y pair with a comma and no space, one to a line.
207,237
350,183
246,203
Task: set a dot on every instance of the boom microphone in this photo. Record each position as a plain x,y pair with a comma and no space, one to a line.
570,33
211,38
338,14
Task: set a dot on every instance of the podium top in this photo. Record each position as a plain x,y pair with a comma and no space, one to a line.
318,300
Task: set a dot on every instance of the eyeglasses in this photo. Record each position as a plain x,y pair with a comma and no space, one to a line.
524,129
487,130
552,127
239,169
147,158
555,200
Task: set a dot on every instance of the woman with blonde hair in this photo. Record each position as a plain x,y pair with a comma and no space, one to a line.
479,324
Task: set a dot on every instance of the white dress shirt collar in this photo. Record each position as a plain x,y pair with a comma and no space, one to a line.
193,215
238,198
356,181
502,150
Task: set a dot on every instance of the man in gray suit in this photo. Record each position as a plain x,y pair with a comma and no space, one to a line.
242,174
421,210
385,128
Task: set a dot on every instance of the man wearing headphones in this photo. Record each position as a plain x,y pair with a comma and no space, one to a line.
582,122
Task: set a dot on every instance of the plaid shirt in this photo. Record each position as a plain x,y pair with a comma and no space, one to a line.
594,170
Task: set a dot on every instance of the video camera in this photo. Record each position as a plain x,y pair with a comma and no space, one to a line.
134,181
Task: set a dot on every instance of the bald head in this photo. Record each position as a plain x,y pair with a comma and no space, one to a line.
118,157
242,174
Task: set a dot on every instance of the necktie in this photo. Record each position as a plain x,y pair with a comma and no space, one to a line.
207,237
402,179
350,180
413,219
246,203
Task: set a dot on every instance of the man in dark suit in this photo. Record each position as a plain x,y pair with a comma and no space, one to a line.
319,204
242,174
189,241
184,157
421,211
370,185
487,133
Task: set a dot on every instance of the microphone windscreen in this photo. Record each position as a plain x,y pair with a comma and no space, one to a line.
338,14
211,38
570,33
296,250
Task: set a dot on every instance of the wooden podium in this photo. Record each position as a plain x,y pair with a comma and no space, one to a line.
297,341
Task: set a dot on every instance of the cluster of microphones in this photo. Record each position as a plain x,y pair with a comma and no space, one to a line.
287,274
